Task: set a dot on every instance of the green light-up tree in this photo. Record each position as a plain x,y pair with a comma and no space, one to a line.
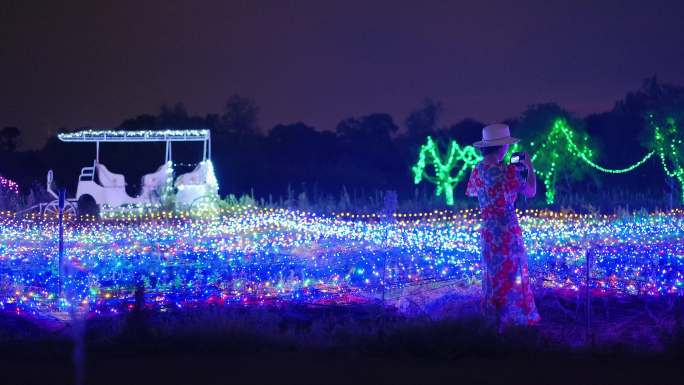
556,147
8,138
667,143
429,154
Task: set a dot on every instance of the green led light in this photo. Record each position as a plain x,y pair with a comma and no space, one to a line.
668,137
558,154
561,146
429,154
585,155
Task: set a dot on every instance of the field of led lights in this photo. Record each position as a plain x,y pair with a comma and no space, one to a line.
252,256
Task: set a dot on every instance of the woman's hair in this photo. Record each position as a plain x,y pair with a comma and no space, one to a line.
490,150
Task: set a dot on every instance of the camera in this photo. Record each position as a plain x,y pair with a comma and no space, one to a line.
517,157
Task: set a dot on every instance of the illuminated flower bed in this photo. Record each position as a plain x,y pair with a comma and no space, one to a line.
256,256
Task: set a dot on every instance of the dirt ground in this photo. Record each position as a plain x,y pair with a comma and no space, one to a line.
306,368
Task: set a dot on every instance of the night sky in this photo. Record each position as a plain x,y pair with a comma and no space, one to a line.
94,63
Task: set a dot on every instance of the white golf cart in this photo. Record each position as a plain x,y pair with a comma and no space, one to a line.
97,185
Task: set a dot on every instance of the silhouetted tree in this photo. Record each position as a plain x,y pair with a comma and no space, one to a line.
367,148
240,116
8,138
298,154
465,132
362,155
140,122
423,121
374,127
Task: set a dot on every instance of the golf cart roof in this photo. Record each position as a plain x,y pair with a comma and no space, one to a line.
135,136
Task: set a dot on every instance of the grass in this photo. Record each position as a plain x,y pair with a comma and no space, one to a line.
606,201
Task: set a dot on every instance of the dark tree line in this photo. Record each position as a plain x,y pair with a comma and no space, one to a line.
363,155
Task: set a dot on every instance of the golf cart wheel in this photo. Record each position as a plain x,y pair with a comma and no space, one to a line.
52,209
87,206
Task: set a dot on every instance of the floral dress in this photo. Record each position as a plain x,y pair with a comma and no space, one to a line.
505,281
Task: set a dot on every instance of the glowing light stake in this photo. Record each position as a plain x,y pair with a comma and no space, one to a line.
247,255
429,154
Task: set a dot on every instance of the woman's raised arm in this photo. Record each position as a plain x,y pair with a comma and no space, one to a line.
531,182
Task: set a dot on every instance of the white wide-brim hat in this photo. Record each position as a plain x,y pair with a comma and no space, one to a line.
495,135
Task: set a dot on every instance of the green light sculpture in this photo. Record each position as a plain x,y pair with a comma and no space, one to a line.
429,153
579,151
668,144
551,156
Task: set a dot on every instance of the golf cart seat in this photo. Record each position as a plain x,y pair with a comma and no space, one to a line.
198,176
108,178
195,185
156,179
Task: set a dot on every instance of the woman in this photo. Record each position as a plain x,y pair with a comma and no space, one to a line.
505,282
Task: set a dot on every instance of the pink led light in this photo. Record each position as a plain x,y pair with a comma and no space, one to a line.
9,184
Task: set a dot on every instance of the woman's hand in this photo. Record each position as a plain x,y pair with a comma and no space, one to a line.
531,185
527,161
